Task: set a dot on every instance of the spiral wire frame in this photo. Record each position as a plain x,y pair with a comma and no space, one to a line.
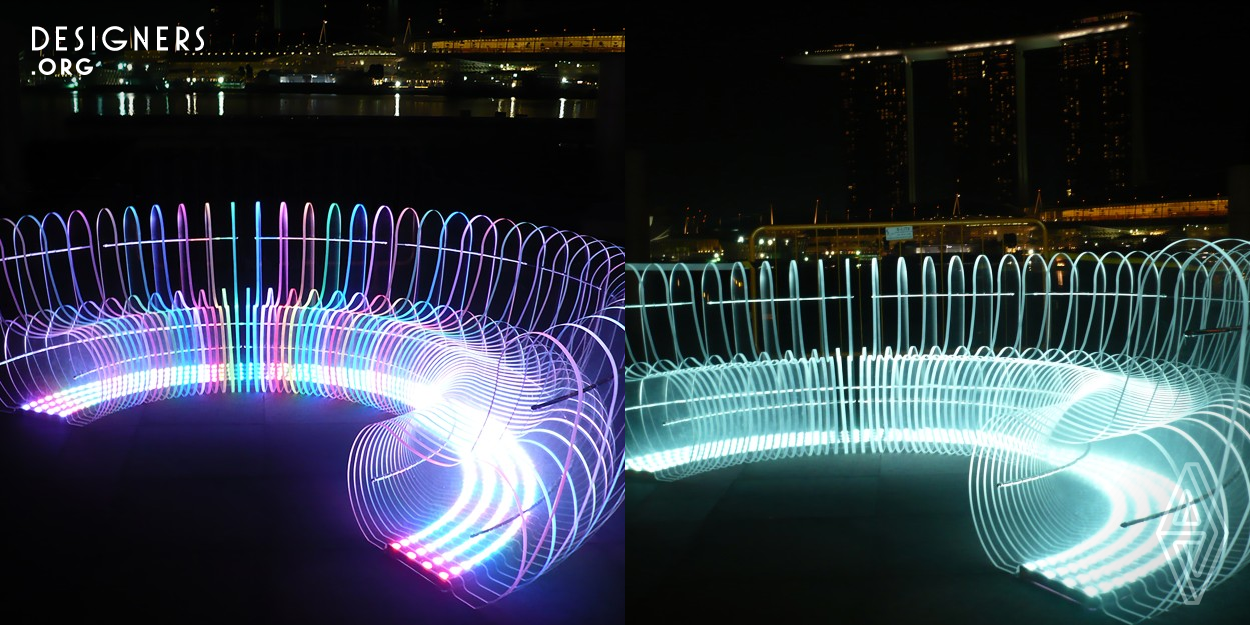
493,349
1101,398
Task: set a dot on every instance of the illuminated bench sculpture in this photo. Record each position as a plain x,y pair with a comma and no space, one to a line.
1102,399
492,348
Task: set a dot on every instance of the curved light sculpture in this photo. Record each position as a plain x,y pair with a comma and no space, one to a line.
492,350
1102,399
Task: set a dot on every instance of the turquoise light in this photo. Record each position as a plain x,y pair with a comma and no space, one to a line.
1105,413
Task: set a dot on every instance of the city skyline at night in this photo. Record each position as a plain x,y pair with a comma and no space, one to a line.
895,104
737,127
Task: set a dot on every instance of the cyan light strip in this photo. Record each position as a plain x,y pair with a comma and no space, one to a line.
1102,398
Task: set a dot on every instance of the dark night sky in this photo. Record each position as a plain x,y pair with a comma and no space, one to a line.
725,125
307,14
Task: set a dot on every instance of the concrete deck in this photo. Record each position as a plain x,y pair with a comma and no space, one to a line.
234,508
866,538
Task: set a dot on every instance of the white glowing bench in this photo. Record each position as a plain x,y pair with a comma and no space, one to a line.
490,349
1106,420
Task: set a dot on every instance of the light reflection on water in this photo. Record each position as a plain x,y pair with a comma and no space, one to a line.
234,103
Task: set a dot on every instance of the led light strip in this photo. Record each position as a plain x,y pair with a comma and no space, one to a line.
1105,417
490,348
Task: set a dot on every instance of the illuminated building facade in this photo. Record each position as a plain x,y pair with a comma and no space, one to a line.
1103,146
985,154
983,129
875,106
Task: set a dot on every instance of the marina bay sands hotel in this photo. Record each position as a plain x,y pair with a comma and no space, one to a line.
995,121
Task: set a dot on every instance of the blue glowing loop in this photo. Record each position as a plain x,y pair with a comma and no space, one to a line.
493,346
1102,399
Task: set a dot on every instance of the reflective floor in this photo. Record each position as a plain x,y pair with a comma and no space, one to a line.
863,538
235,508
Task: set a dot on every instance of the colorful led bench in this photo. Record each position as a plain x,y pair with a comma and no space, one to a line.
1102,399
493,348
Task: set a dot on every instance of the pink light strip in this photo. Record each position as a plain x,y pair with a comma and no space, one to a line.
493,348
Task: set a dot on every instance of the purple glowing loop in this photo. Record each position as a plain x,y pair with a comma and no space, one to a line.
494,346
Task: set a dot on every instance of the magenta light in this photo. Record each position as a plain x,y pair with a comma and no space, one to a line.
491,350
